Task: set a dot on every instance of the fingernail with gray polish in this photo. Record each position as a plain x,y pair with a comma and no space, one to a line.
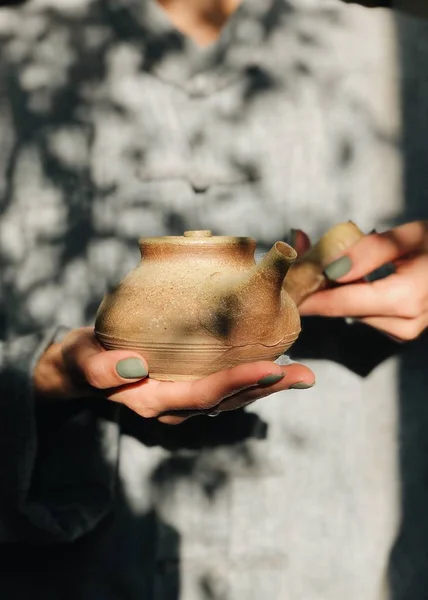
271,379
131,368
301,385
338,268
381,273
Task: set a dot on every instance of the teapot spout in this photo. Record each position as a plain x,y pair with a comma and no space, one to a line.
271,271
253,310
267,312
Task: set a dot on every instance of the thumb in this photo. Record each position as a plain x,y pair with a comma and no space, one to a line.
86,360
378,250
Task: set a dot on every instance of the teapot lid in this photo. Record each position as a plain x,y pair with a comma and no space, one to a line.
198,237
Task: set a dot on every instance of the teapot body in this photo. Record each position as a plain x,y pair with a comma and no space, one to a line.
197,304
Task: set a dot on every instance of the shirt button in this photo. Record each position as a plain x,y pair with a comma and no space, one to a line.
199,182
199,86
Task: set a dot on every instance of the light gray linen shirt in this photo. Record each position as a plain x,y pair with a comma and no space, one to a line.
114,126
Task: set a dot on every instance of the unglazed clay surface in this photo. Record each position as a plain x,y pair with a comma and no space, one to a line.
198,303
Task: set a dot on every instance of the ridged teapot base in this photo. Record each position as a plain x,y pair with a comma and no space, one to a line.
186,362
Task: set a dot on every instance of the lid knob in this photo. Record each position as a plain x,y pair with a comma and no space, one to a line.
198,233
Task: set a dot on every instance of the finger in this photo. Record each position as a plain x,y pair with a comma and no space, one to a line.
101,369
375,250
403,294
152,398
296,376
403,330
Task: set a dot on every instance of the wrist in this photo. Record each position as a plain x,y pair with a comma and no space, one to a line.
51,380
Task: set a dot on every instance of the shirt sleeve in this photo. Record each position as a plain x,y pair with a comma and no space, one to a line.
57,461
418,8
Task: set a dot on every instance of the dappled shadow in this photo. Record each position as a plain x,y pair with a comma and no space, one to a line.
54,76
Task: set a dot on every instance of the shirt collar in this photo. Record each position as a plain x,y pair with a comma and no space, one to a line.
175,58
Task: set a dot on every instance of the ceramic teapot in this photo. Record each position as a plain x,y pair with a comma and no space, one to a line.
199,303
